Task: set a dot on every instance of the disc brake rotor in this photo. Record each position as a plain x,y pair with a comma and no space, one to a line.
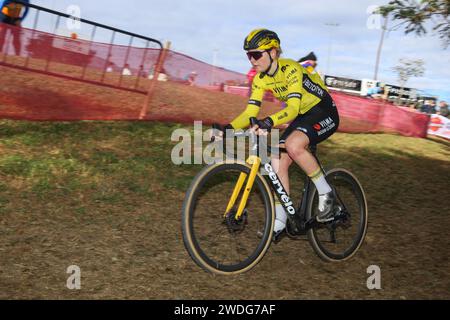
236,225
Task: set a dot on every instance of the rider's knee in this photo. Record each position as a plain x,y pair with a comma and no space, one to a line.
296,148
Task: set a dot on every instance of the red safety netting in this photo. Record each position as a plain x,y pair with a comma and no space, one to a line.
109,64
131,69
101,63
181,68
360,114
365,115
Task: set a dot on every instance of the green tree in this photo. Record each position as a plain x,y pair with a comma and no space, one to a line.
414,14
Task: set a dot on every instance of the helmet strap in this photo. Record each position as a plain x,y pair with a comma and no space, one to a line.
270,65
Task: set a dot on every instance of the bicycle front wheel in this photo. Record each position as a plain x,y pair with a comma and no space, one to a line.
215,240
340,239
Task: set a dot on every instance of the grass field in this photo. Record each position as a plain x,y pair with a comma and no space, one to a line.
105,196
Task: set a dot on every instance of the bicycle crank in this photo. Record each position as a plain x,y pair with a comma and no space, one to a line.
342,218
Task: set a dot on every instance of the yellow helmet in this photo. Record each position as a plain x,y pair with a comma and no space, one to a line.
261,39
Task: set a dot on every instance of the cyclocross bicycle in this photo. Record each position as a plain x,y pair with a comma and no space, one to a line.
229,213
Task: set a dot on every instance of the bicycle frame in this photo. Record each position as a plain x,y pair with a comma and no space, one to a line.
297,216
238,217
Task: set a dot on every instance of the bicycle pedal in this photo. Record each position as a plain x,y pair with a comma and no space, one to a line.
325,220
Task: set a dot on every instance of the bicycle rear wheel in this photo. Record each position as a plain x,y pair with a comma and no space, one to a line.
224,245
340,239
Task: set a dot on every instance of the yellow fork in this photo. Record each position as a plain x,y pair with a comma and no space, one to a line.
255,162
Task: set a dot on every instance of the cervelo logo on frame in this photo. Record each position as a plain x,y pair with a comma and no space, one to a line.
287,203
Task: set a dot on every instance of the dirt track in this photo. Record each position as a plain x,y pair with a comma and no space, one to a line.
107,198
129,244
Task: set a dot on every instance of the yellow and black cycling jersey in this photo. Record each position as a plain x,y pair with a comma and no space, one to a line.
290,83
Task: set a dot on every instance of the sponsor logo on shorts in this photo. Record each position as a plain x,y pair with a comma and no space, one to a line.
324,126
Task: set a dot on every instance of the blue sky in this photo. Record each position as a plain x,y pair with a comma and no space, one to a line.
213,31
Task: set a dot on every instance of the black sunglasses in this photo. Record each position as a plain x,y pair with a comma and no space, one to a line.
255,55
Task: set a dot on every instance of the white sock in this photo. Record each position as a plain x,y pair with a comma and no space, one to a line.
318,178
281,217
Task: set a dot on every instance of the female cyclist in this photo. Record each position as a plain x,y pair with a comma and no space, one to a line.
312,114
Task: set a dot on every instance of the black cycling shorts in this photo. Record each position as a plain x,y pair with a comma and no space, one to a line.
318,124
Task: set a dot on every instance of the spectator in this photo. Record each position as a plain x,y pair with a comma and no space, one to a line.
424,107
443,109
151,72
126,70
428,107
373,91
412,106
419,105
432,109
309,62
110,67
385,92
191,77
12,14
382,91
162,76
378,92
141,72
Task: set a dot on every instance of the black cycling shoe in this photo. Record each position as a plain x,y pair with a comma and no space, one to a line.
326,214
278,236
